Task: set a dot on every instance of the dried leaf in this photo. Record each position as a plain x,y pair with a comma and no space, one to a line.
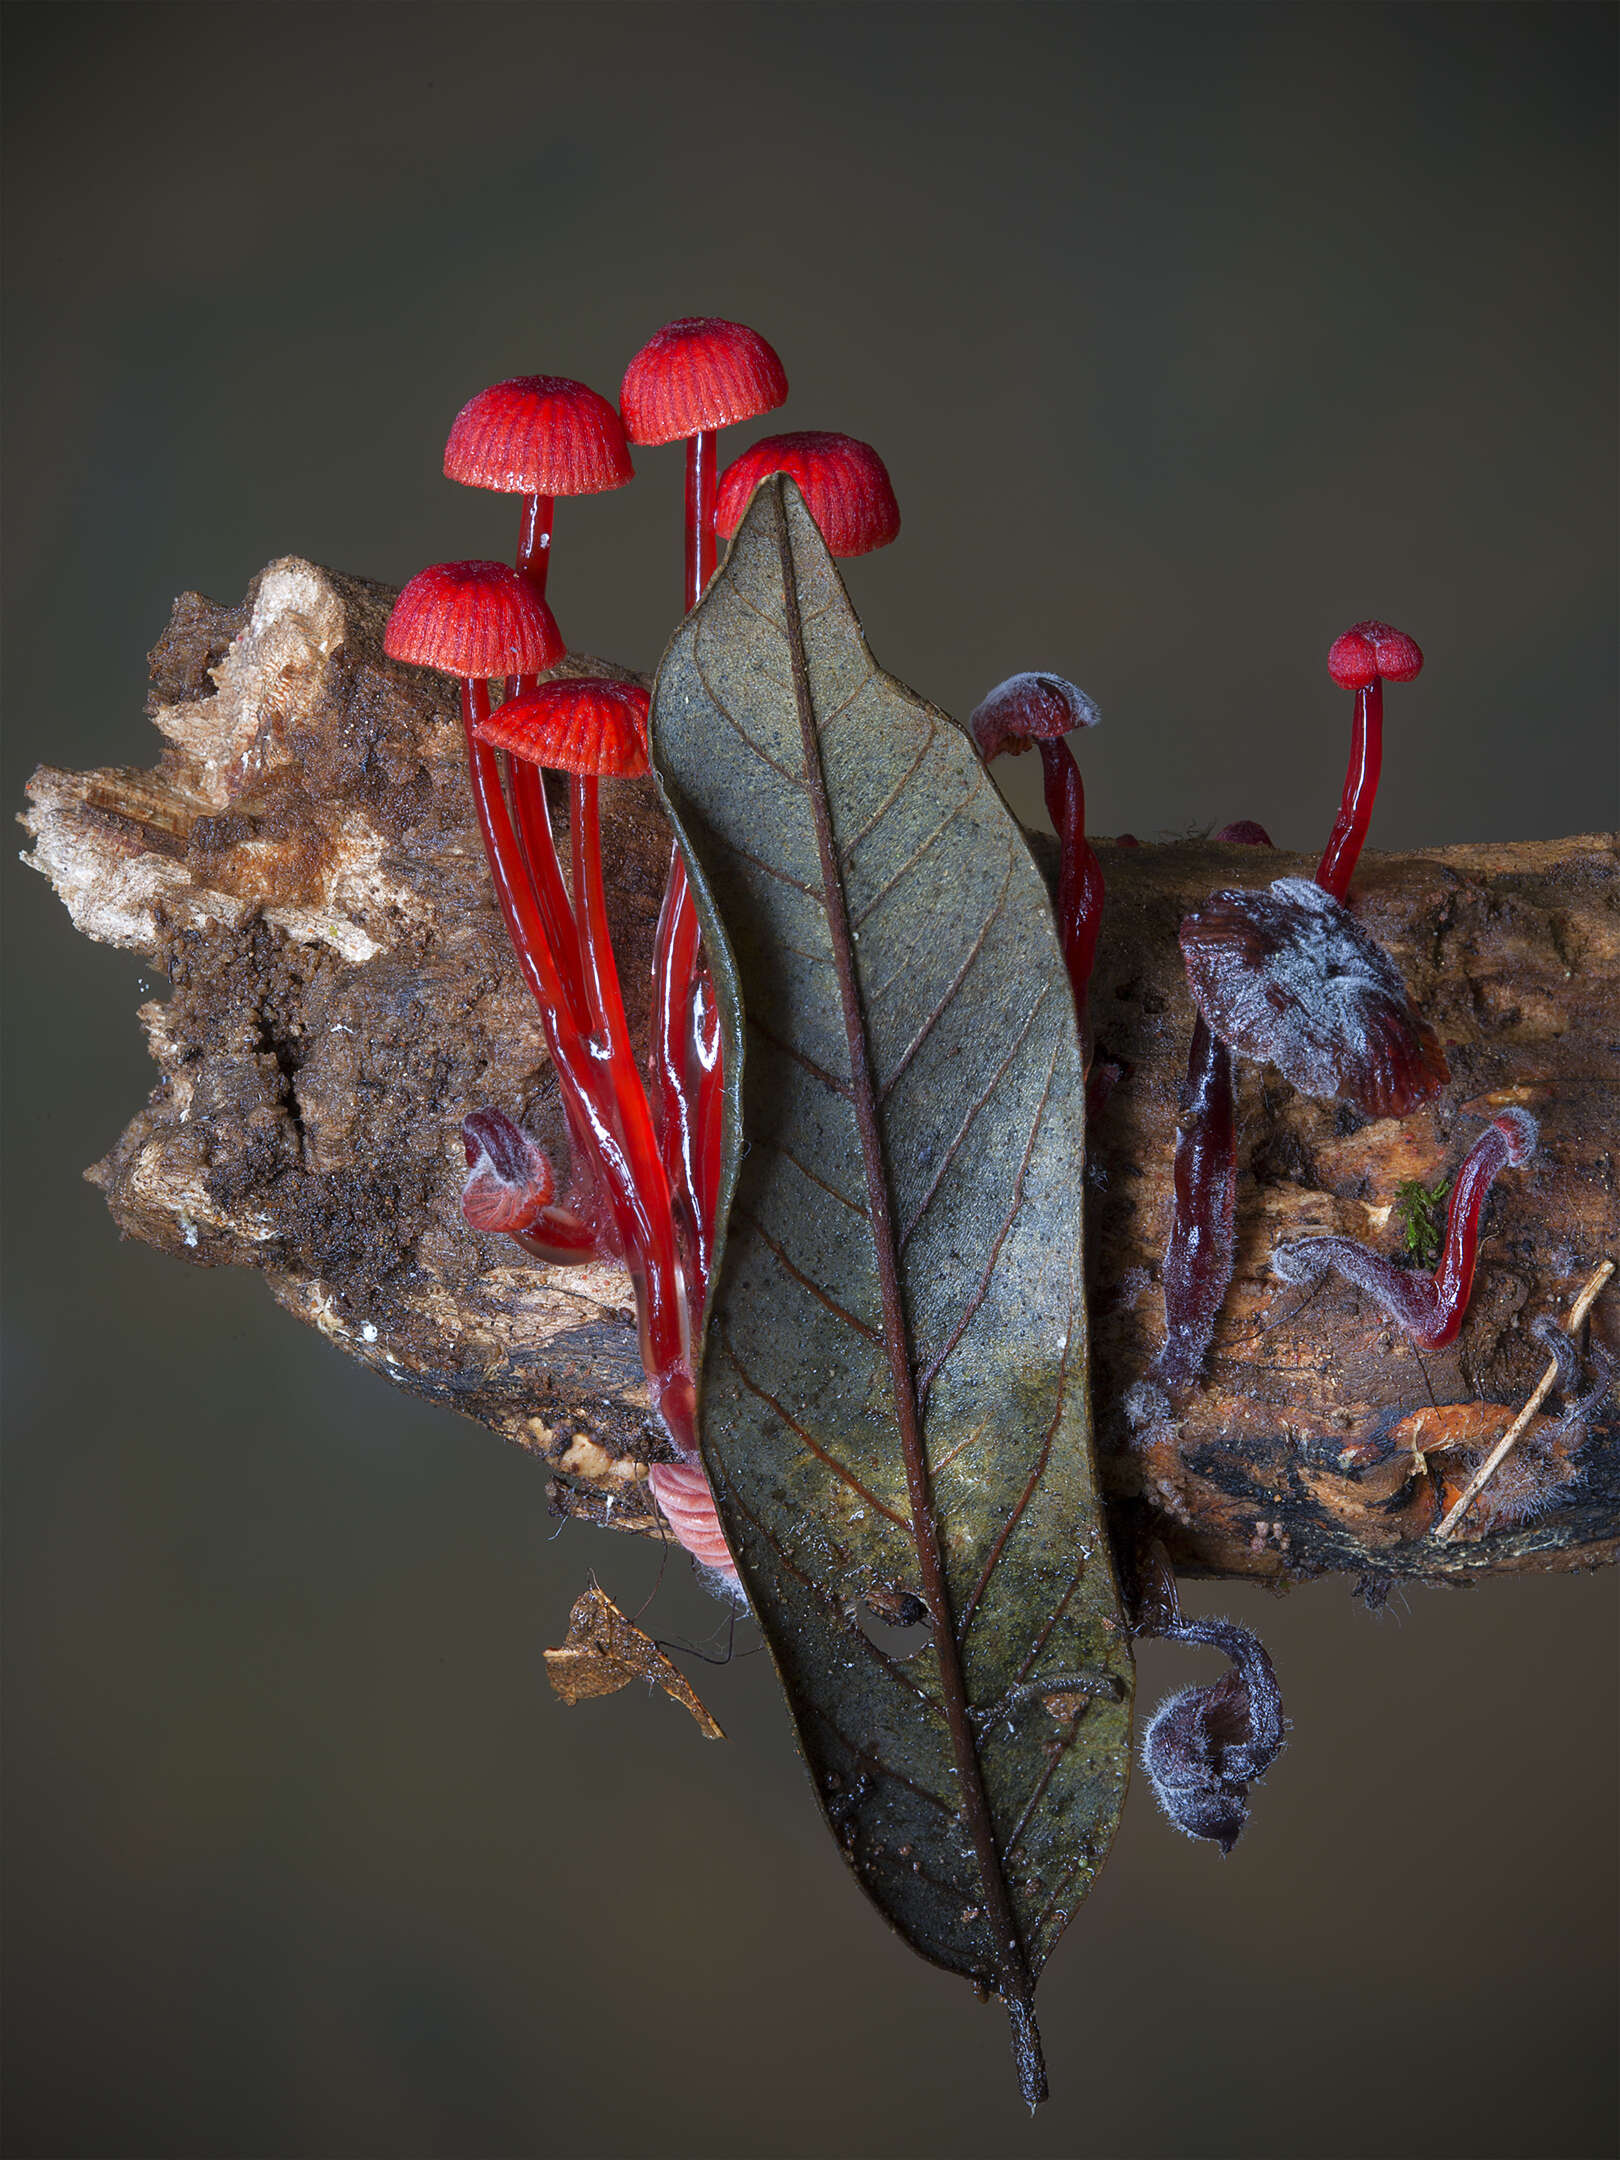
603,1652
895,1384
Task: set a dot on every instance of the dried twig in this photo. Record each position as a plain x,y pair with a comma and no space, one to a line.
1499,1454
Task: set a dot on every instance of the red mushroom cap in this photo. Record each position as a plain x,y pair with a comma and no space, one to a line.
845,485
473,619
696,374
1027,709
538,435
1242,832
587,724
1372,649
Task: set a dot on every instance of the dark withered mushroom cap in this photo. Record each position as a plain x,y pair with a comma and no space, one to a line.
1287,977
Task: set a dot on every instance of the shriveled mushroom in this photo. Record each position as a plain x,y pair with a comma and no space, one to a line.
1287,977
1429,1307
1042,709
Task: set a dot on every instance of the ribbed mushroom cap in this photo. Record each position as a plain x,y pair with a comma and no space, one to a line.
473,619
1369,650
845,485
701,372
1287,977
1028,709
538,435
587,725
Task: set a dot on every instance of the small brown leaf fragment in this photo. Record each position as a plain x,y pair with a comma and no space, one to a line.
603,1652
1458,1425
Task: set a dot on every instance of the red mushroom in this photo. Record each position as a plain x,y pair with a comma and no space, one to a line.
477,620
688,381
1041,709
1429,1307
1367,656
588,727
472,617
538,436
845,485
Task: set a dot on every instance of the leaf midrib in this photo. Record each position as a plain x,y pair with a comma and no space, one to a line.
1015,1983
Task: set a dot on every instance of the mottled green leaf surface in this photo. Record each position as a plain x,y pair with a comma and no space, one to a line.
894,1397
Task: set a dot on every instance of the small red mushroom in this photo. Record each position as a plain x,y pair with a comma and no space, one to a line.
477,620
538,436
588,727
509,1176
845,485
1041,709
688,381
464,617
1367,656
1429,1307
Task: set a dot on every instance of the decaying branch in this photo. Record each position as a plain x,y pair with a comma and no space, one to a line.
303,867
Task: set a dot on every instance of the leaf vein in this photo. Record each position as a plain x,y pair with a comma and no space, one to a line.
951,988
983,1290
821,1453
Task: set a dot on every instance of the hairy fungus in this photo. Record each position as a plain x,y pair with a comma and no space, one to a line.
1287,977
1200,1250
1430,1308
1205,1746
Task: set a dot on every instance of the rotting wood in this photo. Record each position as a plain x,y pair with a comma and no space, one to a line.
302,865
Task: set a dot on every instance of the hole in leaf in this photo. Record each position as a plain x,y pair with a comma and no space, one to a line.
895,1619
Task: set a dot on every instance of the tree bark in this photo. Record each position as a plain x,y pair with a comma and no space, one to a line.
303,866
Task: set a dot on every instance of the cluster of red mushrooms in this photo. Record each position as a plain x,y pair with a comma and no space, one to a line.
1283,975
645,1159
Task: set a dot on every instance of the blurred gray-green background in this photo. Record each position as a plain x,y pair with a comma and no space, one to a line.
1189,335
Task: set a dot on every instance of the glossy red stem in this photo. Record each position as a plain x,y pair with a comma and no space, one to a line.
679,1090
587,1096
528,789
701,466
534,541
1430,1308
1343,850
1080,881
560,1238
675,1107
664,1345
709,1058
